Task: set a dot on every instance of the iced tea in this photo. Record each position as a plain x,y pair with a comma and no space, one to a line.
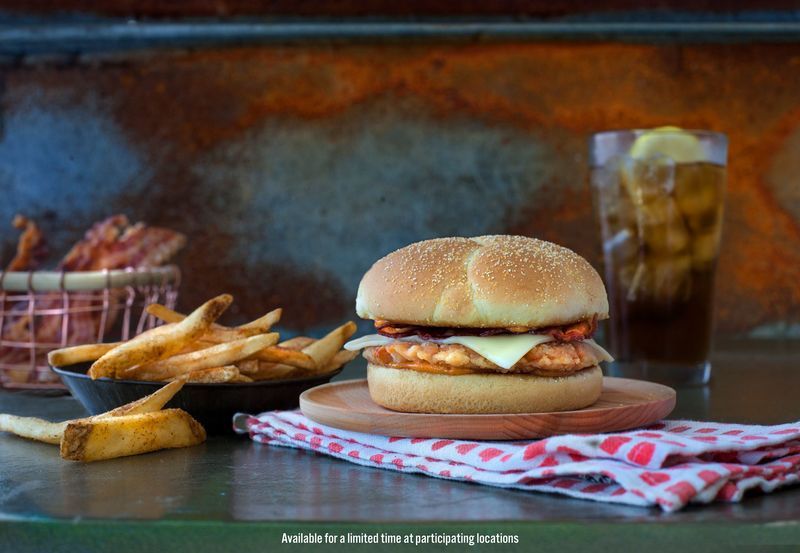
659,195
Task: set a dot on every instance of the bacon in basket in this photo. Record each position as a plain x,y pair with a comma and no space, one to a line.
31,247
116,244
113,243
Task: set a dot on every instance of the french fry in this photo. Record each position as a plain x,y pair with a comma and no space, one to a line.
269,320
342,357
297,343
242,378
293,344
147,348
95,439
247,366
33,428
148,404
272,371
79,354
272,354
219,333
228,373
164,313
295,358
323,350
51,432
215,356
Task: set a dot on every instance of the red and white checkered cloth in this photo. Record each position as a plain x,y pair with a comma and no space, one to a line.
669,464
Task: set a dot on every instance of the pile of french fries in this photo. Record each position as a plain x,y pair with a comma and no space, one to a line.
194,348
138,427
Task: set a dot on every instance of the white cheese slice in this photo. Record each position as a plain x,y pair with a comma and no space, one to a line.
601,353
503,350
368,341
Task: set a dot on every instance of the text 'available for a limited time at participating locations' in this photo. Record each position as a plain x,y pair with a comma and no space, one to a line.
409,538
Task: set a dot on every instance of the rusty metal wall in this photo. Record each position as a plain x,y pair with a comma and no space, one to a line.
293,167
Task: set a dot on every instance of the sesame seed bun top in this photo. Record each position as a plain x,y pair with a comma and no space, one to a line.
482,282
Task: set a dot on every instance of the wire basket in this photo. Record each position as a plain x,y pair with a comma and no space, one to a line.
45,310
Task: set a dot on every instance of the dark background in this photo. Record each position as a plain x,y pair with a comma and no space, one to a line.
297,142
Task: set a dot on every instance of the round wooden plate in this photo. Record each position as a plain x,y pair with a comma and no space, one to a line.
624,404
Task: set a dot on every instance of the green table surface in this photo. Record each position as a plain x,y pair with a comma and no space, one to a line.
232,494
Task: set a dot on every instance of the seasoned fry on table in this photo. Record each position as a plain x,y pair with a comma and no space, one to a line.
33,428
51,432
149,347
96,439
148,404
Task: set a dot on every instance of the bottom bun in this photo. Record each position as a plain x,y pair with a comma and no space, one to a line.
412,391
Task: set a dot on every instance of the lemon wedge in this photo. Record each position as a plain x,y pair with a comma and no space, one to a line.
671,142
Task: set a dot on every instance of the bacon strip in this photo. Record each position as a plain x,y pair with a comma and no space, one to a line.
31,247
116,244
580,330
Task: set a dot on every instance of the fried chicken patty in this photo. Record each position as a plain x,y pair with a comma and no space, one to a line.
548,359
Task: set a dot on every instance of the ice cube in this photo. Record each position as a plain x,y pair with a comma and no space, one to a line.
670,278
658,212
668,238
622,246
705,247
647,179
705,221
698,189
663,279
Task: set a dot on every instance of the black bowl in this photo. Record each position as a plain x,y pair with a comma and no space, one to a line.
213,405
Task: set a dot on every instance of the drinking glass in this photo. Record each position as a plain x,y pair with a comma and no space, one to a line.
659,197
